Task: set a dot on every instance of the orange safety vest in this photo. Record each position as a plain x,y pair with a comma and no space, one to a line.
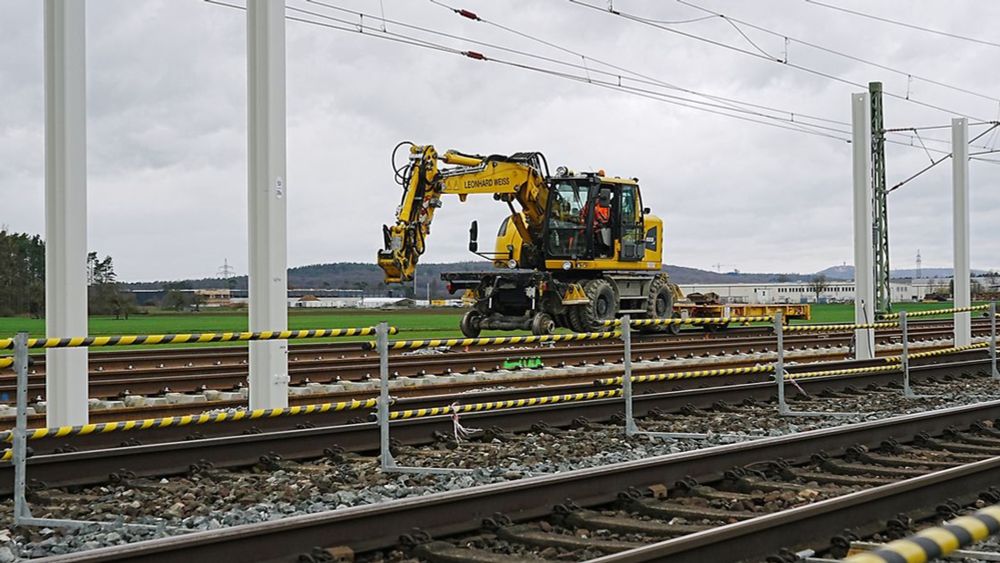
602,214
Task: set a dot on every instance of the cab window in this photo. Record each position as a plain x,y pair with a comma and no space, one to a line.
633,244
567,220
630,206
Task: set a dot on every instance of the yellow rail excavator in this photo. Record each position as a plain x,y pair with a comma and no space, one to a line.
576,250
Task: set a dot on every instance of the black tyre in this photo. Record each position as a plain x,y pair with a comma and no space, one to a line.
562,320
542,324
603,306
573,319
660,304
469,324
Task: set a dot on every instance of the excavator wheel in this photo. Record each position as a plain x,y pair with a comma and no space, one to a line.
469,324
573,319
603,306
660,304
542,324
562,320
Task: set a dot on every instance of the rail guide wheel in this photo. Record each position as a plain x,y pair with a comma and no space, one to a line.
713,328
542,324
674,329
469,324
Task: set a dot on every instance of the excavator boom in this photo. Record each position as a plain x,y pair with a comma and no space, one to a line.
512,179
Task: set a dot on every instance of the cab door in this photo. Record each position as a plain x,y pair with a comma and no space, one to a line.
633,245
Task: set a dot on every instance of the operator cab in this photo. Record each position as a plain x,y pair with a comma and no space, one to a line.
588,214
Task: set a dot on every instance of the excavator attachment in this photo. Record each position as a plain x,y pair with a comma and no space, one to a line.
404,241
388,259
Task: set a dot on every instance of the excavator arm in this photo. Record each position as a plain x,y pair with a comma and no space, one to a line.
518,178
